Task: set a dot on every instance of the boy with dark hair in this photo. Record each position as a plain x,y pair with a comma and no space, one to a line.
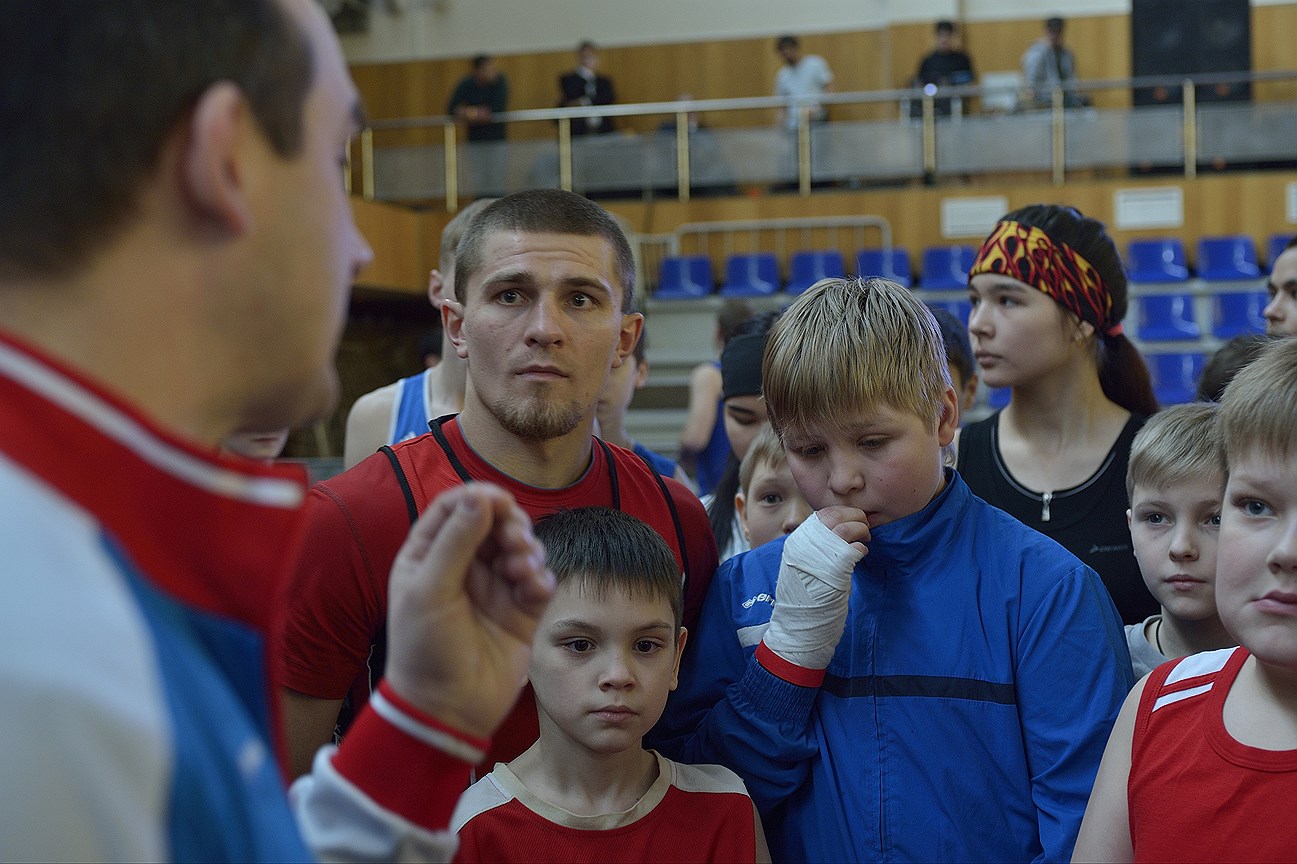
1202,763
606,655
912,674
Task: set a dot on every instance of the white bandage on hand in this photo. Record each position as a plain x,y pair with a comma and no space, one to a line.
811,595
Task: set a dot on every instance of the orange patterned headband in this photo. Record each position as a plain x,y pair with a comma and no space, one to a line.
1029,255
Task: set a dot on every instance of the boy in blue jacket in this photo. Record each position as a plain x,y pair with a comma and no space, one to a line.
911,674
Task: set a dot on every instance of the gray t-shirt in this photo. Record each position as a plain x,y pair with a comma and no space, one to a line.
1144,658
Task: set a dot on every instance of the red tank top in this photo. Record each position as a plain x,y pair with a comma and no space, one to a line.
1195,793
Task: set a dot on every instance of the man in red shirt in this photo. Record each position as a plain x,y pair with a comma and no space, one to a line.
544,285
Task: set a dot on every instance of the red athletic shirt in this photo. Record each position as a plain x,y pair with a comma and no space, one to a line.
1195,793
356,522
691,813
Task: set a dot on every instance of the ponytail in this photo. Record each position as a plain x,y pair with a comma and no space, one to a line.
1123,375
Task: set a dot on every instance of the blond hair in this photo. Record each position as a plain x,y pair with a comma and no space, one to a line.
1176,444
1258,410
765,449
847,344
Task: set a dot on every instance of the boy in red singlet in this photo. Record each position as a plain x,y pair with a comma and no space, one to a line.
1202,763
606,654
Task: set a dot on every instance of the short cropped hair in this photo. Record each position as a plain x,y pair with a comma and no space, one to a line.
944,27
1229,358
602,548
847,344
544,211
765,449
1054,25
93,90
480,60
455,228
1259,407
733,314
786,42
1176,444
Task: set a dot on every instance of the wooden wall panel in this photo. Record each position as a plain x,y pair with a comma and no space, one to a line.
1246,203
861,60
401,252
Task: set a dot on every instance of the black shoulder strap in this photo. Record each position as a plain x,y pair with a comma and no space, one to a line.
612,473
675,514
435,427
411,509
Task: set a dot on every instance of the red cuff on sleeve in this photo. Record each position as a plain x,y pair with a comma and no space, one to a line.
406,761
785,671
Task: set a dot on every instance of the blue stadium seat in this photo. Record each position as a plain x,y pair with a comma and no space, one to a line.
685,277
810,267
1275,248
998,397
945,268
1175,376
753,274
1227,259
1167,317
1239,312
1156,261
891,264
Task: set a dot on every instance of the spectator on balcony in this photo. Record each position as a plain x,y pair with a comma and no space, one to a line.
1048,63
584,86
803,75
478,97
946,66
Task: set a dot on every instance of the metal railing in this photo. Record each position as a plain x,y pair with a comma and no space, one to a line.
884,142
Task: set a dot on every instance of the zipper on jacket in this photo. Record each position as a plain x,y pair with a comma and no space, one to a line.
1045,498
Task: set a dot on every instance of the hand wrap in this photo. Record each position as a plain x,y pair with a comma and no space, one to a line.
811,595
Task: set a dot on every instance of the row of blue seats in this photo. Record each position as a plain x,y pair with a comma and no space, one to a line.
756,274
945,268
1161,314
1174,376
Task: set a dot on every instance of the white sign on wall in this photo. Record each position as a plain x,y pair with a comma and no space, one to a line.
1292,202
1159,207
971,217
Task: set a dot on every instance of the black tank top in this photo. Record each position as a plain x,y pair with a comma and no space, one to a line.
1089,519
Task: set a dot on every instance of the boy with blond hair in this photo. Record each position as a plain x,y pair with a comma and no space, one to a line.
768,502
1174,483
912,674
1202,763
606,654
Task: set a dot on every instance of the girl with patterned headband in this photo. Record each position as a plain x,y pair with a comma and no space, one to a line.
1049,295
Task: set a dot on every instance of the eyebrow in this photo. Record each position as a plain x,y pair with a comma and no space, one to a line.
526,277
589,627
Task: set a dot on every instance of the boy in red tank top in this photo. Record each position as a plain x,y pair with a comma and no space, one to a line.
1202,763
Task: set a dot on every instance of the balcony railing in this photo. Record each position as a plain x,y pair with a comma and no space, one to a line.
894,135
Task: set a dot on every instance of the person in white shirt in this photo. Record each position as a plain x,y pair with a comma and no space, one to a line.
804,75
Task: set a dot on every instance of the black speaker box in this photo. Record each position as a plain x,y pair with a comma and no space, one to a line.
1190,37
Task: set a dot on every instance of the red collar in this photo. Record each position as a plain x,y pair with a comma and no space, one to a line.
212,531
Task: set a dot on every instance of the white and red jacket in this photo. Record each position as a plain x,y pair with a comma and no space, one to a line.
139,584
